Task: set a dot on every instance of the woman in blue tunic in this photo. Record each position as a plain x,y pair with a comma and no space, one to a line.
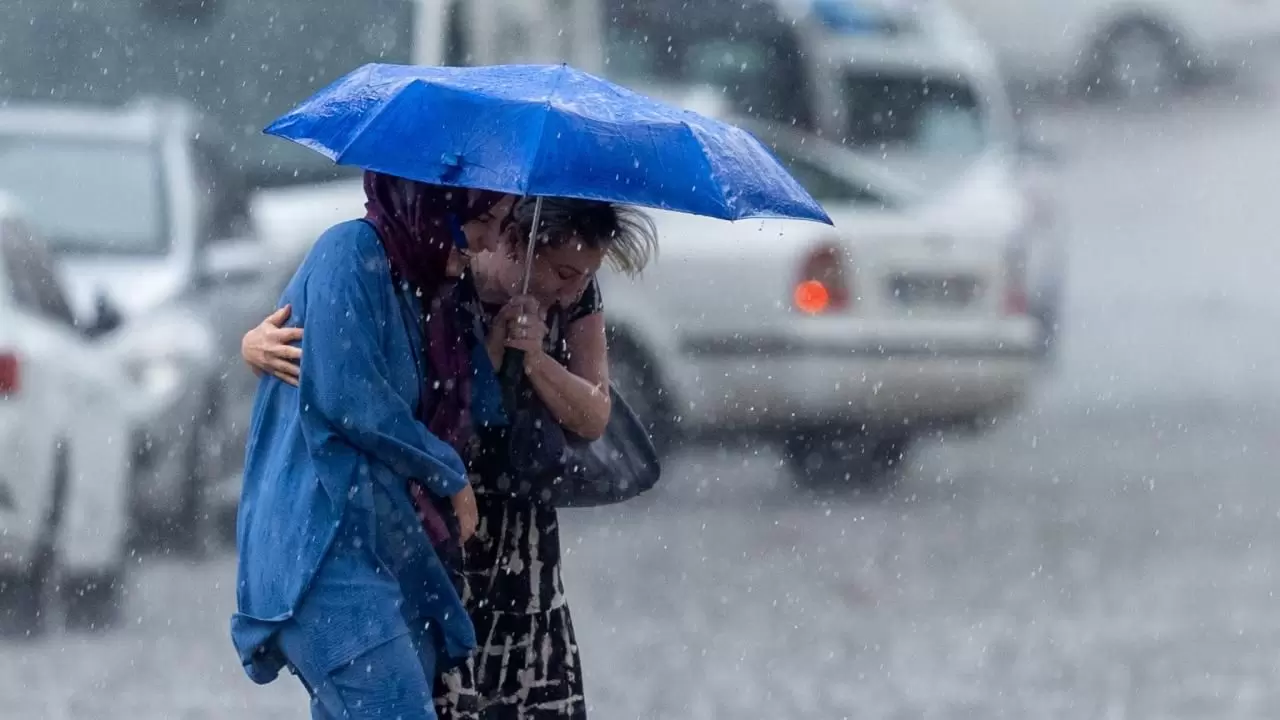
527,664
338,579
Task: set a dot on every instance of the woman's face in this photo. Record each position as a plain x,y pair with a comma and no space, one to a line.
485,232
560,273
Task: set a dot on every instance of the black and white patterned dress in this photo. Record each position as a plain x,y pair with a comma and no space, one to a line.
526,665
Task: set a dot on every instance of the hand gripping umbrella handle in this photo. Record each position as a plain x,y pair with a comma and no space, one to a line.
512,359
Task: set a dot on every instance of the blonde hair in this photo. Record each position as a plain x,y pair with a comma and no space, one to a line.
627,234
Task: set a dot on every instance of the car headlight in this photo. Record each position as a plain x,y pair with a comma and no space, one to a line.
155,375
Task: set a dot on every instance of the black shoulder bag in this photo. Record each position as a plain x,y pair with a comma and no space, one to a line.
555,466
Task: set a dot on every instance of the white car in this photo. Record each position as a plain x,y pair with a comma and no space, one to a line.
843,343
1129,48
909,83
160,241
65,425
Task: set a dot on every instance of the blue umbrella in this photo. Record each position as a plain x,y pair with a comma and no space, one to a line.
544,130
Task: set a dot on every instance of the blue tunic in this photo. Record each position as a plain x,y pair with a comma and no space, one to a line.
316,454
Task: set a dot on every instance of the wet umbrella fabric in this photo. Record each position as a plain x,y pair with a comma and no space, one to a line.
544,130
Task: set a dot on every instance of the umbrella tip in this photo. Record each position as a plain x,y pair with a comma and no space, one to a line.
452,160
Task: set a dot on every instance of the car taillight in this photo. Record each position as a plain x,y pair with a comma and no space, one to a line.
9,378
1016,301
823,285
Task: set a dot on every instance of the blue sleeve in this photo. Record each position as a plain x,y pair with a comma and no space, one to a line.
344,388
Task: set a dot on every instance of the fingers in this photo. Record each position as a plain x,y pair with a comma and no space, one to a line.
284,370
526,316
464,509
467,527
279,317
527,345
283,365
284,378
504,316
528,303
524,334
521,305
510,310
519,325
285,336
523,327
286,352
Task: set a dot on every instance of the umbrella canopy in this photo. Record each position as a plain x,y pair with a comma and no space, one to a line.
545,130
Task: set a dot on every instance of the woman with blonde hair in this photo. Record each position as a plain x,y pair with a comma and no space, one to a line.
527,662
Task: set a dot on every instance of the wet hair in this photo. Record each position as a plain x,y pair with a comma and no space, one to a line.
628,235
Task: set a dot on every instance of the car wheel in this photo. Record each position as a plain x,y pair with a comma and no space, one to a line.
1138,62
25,597
849,459
189,532
224,527
93,601
638,383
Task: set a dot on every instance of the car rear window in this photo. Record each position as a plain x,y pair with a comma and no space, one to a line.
115,188
915,114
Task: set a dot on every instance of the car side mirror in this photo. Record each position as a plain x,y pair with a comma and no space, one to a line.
233,261
106,317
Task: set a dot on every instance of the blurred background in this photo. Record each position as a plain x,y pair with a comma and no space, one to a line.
1002,443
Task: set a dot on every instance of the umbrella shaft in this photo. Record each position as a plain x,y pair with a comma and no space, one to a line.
533,238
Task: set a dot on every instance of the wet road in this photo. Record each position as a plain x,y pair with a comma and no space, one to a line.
1107,554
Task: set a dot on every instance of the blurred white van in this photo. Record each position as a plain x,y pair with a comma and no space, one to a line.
908,85
1126,48
244,62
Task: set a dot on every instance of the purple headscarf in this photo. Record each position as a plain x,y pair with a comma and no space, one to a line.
416,223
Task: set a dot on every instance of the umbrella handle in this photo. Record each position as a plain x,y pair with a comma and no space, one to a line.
512,359
509,377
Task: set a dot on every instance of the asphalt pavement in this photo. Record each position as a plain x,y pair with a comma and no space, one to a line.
1107,553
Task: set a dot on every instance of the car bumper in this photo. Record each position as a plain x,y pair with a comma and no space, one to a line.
744,385
18,535
19,526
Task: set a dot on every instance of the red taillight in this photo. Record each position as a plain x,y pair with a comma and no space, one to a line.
823,285
9,379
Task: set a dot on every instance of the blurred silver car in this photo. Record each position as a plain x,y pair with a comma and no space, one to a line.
847,343
150,229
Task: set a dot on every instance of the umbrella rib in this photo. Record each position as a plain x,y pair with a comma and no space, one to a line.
368,120
546,115
711,167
